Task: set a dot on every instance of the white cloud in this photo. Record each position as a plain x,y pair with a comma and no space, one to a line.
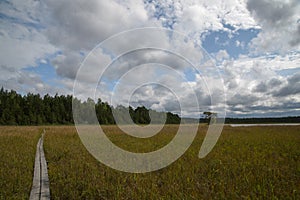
279,22
22,46
31,30
222,55
198,16
25,11
24,81
79,25
257,82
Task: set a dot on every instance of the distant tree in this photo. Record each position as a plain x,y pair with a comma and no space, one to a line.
172,118
210,116
104,112
142,115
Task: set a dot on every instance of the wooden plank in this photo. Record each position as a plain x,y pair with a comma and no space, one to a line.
40,185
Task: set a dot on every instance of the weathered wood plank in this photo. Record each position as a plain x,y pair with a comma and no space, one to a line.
40,185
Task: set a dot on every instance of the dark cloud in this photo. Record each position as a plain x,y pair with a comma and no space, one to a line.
267,86
67,65
288,105
261,88
4,68
172,106
79,25
139,57
279,21
272,12
294,79
288,108
296,40
274,82
291,88
242,99
238,109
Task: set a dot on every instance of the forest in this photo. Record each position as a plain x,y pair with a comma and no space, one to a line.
33,109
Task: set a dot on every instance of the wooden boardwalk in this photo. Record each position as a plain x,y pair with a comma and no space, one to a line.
40,186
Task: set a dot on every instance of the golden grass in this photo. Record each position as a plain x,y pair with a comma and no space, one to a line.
247,163
17,153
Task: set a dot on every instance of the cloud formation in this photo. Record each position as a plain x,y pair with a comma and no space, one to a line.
61,33
280,25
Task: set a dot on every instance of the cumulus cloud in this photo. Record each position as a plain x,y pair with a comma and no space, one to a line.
279,22
222,55
199,16
79,25
67,65
241,99
64,32
292,87
22,46
261,87
24,81
259,83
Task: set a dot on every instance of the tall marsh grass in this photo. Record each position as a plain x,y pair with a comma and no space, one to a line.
246,163
17,154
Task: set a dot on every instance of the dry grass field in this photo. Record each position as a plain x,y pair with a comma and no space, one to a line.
246,163
17,153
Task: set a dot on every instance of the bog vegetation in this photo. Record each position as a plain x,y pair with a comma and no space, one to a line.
246,163
17,154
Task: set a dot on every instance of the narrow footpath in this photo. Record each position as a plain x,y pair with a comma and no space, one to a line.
40,185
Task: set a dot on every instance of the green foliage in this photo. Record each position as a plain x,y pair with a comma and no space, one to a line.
172,119
32,109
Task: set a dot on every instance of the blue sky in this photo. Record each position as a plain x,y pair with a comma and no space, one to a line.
235,44
255,44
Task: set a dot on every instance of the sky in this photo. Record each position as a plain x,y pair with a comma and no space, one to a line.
246,53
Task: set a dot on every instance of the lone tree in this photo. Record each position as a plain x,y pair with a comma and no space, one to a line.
211,117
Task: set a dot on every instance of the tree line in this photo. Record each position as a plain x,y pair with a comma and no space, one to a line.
256,120
33,109
266,120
